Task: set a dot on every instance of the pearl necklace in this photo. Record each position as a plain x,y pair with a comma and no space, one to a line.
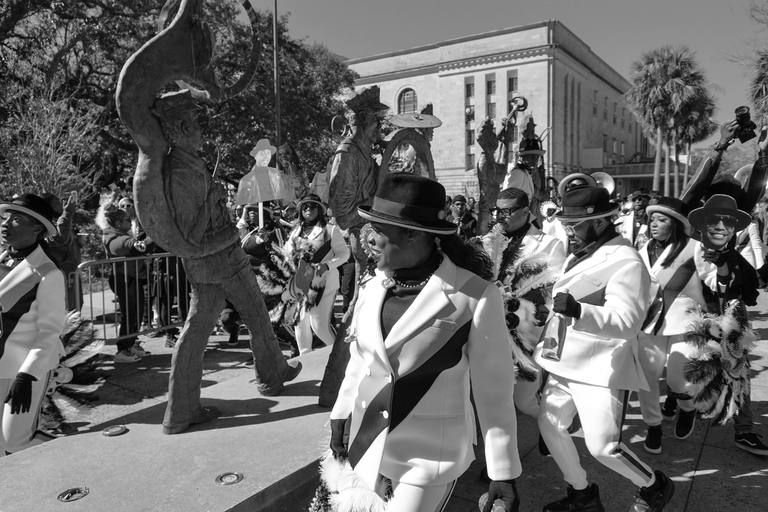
391,282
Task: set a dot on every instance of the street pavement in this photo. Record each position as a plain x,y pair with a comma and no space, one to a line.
709,471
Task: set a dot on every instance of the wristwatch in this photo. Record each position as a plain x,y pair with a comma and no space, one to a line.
721,146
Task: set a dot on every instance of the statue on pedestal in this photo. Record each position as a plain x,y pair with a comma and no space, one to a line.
184,210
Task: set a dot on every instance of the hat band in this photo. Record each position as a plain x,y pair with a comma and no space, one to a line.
572,211
404,211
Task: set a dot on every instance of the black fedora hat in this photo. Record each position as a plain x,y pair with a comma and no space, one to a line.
34,206
312,198
410,201
671,207
719,204
585,203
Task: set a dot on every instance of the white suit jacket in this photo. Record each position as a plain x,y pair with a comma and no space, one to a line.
32,298
681,287
614,289
336,257
408,395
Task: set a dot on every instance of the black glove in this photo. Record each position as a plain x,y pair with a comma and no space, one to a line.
337,439
20,394
565,304
504,490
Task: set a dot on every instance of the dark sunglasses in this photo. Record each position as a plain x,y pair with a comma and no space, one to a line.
505,212
309,206
728,221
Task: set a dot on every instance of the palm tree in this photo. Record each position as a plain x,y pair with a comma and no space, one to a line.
758,87
695,125
663,80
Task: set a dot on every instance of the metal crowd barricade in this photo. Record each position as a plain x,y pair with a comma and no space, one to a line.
142,281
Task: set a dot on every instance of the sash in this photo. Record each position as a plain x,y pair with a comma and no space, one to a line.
17,300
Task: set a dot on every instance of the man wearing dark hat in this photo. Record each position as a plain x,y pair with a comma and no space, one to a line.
461,216
603,297
354,172
426,326
32,308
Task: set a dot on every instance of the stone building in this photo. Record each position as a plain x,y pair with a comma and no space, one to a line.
575,98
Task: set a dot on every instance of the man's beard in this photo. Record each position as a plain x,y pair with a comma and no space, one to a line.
576,244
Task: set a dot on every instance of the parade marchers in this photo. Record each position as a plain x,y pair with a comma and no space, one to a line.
429,322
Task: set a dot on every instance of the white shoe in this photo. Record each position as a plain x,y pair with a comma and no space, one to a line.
126,356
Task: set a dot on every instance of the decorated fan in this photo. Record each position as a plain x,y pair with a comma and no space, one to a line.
717,374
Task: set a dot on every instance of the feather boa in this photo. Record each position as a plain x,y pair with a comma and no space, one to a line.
341,490
72,385
275,281
717,375
525,281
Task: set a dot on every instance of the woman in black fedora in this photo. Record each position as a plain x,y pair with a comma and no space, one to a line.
719,372
32,308
426,325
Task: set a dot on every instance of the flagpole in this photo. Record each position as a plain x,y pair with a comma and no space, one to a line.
277,81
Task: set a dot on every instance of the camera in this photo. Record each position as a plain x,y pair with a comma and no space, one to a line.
746,130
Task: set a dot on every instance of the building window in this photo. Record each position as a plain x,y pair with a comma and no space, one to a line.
490,86
470,137
594,110
470,161
605,143
622,151
594,99
512,84
490,110
407,102
630,126
614,119
614,148
470,90
605,114
605,103
615,106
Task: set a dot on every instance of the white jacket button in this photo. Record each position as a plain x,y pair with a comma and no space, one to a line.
368,372
385,414
362,404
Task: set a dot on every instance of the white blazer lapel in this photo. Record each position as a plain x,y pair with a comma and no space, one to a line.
370,318
10,291
425,307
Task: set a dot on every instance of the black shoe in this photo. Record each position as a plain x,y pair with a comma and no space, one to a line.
686,420
653,440
655,497
669,410
585,500
751,443
292,372
233,340
543,448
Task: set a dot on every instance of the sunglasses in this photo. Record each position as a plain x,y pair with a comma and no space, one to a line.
568,228
504,212
728,221
309,206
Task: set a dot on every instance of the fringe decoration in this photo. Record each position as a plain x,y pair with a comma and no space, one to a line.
73,384
525,281
275,276
341,490
717,375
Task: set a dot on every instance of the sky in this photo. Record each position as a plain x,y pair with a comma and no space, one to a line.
618,31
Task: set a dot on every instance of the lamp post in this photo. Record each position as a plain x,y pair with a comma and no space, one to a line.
276,80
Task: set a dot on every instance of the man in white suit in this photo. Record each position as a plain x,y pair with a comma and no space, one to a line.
603,296
32,307
422,325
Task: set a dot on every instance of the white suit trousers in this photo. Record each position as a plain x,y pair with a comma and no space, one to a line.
602,412
19,431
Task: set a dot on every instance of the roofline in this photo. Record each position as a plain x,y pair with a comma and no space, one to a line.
448,42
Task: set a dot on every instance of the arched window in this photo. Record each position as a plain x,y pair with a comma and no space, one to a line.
407,102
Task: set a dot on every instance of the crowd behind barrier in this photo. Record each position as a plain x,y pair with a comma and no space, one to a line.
164,285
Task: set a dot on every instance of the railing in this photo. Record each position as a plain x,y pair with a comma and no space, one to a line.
119,294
